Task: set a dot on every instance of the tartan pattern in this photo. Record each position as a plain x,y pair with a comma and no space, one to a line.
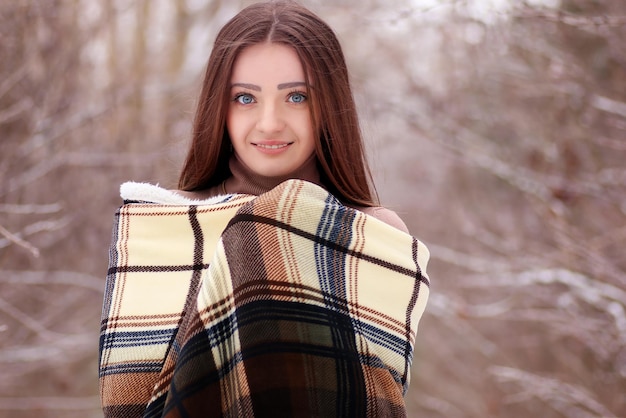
285,304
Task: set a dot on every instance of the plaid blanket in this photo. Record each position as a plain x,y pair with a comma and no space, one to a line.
286,304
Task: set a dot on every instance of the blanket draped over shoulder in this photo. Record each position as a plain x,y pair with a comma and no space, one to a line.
288,304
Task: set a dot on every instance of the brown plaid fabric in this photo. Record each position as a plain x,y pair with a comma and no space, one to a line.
286,304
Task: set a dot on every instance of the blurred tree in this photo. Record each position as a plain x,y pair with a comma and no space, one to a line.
533,105
86,103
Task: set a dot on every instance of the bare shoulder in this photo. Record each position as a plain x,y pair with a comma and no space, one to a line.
387,216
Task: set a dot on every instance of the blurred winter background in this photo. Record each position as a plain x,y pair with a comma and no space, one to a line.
497,129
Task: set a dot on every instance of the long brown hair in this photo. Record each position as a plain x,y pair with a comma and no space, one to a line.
341,159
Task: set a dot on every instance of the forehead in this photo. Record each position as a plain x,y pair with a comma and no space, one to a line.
267,63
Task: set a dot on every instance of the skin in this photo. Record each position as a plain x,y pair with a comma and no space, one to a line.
268,118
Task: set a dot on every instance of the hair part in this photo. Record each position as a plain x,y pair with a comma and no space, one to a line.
340,155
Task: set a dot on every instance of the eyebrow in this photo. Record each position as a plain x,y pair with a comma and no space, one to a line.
281,86
291,85
246,86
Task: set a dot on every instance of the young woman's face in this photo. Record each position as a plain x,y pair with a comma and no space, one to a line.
268,119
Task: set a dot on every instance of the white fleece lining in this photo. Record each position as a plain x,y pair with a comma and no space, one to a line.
146,192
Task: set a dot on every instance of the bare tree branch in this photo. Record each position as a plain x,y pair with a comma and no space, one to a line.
52,403
70,278
24,209
12,112
12,238
562,396
35,228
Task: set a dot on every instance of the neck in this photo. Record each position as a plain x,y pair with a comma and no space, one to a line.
244,180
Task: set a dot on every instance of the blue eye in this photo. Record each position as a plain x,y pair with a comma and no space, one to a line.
297,97
244,99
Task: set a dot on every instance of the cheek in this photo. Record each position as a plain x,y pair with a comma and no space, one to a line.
307,129
233,126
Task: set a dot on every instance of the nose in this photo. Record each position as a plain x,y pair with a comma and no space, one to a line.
270,119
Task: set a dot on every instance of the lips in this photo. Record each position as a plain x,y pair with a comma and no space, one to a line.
274,146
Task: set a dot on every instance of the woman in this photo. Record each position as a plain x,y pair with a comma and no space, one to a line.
278,44
267,285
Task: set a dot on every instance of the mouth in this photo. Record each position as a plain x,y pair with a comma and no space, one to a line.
273,146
